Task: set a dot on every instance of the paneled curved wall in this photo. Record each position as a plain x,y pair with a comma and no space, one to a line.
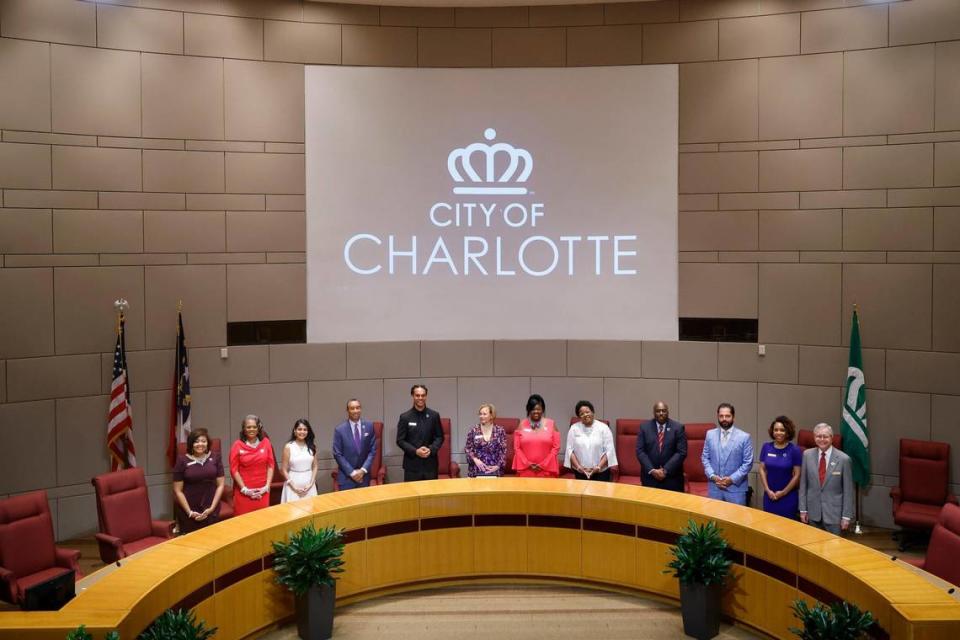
156,152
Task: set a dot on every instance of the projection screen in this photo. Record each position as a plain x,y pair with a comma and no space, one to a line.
455,204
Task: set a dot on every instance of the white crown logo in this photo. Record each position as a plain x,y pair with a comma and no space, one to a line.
462,159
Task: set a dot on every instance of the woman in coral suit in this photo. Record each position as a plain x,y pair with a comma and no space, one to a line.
536,443
251,465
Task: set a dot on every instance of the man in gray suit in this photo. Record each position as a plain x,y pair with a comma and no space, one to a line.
826,484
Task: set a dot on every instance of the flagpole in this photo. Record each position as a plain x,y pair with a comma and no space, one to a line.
857,529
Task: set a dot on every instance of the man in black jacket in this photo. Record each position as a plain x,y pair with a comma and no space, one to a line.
661,450
420,436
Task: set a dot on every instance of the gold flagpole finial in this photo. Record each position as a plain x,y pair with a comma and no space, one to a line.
120,305
179,306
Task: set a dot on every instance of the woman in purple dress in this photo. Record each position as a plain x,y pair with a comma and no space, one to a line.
486,446
780,462
197,483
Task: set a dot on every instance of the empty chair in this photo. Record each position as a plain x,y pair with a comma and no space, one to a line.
378,472
695,481
123,511
446,467
923,490
944,547
630,470
28,555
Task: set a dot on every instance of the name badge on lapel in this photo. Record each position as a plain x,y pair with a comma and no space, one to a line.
411,424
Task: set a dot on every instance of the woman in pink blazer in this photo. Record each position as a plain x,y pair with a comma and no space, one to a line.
536,443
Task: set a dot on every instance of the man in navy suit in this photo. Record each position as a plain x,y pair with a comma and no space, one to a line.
354,446
661,450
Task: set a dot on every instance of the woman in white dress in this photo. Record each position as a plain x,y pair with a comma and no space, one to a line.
299,463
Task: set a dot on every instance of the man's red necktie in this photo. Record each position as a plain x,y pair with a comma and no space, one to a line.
823,467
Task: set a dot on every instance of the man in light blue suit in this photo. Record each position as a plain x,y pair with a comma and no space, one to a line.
354,447
727,458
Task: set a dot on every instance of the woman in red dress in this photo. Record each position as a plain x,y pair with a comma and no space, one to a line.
251,465
536,443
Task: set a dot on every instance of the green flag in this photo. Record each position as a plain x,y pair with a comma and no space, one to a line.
853,429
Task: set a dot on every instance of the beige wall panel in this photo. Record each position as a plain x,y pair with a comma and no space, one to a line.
182,97
265,173
742,362
925,372
296,362
508,395
759,37
730,90
77,516
530,357
805,230
800,303
924,21
943,427
890,229
592,46
598,358
846,199
844,29
416,16
639,12
51,199
335,13
454,47
80,455
492,17
121,200
681,42
49,20
25,231
892,416
383,360
712,230
234,202
266,292
894,301
275,231
278,406
91,168
718,172
828,366
194,231
25,77
718,290
946,197
801,170
379,46
805,405
97,231
152,435
566,15
946,307
139,29
153,370
947,167
541,47
95,91
203,291
947,89
264,100
301,42
84,314
442,398
57,377
905,165
210,409
26,327
24,166
3,381
29,429
888,90
328,402
183,171
691,360
278,9
222,37
699,400
286,203
561,396
633,398
440,358
243,365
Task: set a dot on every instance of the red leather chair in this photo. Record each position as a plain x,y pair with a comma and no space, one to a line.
944,547
447,467
509,426
923,490
123,511
805,440
695,480
630,470
28,555
226,500
378,472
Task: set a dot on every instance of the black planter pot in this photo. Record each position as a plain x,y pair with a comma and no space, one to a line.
314,611
700,607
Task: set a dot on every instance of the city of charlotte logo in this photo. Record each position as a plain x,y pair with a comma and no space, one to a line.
461,162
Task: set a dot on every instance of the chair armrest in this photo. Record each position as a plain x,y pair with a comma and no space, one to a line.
162,528
111,547
382,475
952,499
920,563
614,474
686,483
9,590
897,496
454,469
68,559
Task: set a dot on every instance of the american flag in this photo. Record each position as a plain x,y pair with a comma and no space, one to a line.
120,418
180,418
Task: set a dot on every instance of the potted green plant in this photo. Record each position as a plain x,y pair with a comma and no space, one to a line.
307,565
81,633
700,563
838,621
181,624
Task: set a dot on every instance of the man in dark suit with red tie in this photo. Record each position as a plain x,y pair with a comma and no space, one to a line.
661,450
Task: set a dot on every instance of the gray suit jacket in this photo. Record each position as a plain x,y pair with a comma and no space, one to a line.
834,500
